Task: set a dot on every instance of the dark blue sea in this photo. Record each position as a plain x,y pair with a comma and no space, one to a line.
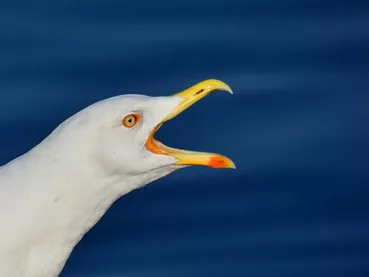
297,128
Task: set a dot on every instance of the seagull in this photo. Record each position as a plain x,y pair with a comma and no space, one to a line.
54,194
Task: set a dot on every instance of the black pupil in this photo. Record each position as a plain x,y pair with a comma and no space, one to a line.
130,120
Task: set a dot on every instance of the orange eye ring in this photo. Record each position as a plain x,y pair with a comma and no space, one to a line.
131,120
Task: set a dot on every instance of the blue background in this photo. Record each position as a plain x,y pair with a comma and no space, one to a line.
297,128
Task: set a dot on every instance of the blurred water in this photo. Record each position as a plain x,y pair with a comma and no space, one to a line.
296,127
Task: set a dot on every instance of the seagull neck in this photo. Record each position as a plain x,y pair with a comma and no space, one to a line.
73,200
52,209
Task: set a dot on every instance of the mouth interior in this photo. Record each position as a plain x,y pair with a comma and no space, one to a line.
157,147
185,157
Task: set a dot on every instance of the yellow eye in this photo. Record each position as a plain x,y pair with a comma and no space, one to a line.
131,120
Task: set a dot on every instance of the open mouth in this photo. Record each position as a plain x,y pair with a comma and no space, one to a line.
190,96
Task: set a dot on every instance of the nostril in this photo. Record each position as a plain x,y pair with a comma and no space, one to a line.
200,91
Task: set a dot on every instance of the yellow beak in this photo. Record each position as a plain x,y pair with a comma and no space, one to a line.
190,96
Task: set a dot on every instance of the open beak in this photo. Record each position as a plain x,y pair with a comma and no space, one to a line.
190,96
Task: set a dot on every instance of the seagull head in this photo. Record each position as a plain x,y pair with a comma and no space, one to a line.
116,136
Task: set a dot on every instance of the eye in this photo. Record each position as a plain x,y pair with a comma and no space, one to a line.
131,120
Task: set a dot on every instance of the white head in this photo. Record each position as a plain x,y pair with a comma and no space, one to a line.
111,135
115,136
114,139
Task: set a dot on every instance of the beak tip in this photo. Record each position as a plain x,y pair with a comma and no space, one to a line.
228,89
231,164
219,85
219,161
